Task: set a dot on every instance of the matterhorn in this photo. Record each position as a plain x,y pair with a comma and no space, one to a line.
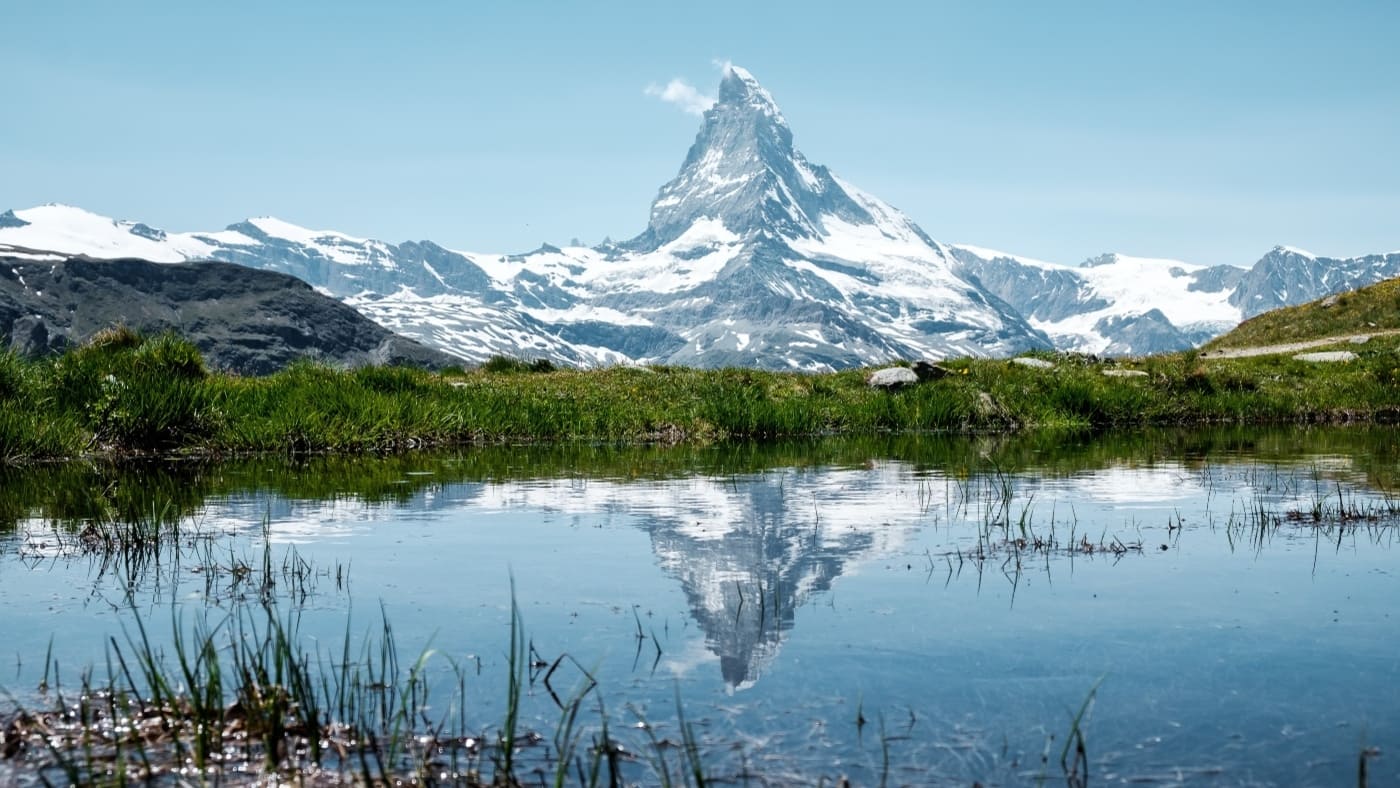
752,256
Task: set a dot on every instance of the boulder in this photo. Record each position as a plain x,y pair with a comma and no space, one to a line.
892,378
1033,363
1124,373
1326,356
927,371
30,336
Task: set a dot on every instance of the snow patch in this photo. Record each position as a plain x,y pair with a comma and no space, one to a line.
993,254
74,231
290,232
584,313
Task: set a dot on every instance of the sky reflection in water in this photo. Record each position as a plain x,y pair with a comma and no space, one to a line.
784,602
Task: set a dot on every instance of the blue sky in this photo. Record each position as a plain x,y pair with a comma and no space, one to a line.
1203,131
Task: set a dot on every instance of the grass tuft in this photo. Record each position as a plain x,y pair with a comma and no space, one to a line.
123,395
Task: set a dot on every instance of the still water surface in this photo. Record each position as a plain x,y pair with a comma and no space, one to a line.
961,597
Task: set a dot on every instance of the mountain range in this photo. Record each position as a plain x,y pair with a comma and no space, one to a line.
752,256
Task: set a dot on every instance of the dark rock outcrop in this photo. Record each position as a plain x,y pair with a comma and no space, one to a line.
1285,277
244,320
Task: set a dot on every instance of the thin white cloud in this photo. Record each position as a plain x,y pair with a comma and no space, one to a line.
683,95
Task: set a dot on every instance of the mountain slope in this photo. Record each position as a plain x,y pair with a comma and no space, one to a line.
1365,311
248,321
451,303
1119,305
1112,304
1287,276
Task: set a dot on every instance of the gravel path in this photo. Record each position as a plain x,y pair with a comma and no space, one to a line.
1294,347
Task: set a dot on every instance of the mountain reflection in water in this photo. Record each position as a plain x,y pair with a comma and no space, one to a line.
889,578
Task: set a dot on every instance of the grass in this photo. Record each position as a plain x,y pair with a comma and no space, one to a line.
123,396
70,496
1361,311
242,700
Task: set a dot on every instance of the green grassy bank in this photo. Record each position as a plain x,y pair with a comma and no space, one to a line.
122,394
1366,310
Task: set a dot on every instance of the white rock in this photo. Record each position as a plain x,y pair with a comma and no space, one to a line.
1124,373
1034,363
892,378
1327,355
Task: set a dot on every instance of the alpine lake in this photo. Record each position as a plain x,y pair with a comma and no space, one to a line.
1213,607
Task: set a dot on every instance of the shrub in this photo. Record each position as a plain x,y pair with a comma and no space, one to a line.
77,376
137,394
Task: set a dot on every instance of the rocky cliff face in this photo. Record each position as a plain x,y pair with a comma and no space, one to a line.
744,171
1287,276
244,320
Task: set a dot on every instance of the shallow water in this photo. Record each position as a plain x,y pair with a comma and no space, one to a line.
961,596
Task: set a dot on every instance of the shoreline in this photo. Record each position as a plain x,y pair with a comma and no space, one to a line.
127,397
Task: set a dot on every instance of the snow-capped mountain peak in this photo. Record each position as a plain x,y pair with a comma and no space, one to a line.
753,256
1113,303
739,87
1294,250
273,227
75,231
300,241
743,170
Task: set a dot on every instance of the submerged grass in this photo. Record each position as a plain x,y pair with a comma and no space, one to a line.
243,701
123,395
71,495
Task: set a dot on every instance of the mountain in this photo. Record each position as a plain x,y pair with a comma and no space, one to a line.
248,321
1120,305
1287,277
752,256
418,287
1112,304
